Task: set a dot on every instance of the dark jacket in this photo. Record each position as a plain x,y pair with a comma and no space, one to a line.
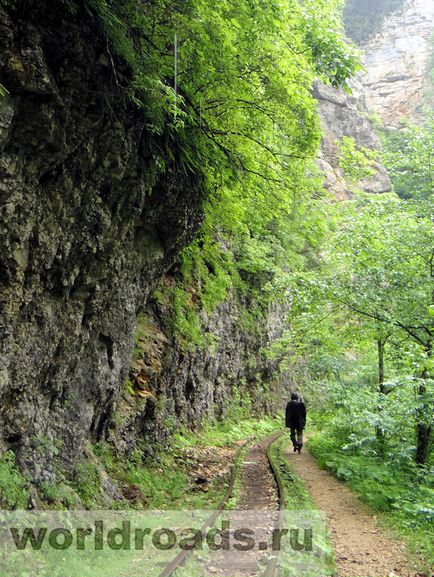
295,415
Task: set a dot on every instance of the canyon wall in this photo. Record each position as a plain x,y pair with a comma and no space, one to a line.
346,115
398,61
91,223
171,385
395,83
89,226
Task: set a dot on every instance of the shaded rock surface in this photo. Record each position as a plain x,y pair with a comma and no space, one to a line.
171,386
89,226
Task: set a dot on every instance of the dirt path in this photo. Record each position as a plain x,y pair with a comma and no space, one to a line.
361,548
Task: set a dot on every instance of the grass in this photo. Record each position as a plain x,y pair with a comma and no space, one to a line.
13,485
231,503
227,433
296,494
164,482
87,484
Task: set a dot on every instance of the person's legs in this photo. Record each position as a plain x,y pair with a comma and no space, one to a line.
293,439
299,439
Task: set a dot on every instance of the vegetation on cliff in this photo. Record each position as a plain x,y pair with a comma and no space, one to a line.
238,98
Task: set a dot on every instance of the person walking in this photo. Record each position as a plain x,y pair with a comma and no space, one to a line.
295,419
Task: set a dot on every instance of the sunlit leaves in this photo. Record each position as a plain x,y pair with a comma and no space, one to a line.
357,162
409,156
242,117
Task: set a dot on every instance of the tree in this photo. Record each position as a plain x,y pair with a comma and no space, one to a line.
244,72
409,156
381,265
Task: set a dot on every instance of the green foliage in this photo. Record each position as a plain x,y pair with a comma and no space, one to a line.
379,262
187,323
247,258
13,486
408,154
375,285
243,117
230,74
50,492
105,453
353,412
129,387
356,161
87,484
250,321
334,57
377,268
240,407
157,488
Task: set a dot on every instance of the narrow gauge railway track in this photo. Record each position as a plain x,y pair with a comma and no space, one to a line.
270,568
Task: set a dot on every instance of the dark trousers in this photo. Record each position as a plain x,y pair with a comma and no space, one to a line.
297,437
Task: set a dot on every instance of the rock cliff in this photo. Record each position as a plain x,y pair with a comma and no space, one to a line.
171,386
397,63
89,225
342,115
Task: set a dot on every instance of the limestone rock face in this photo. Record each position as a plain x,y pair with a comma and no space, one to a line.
397,61
342,115
172,386
88,227
90,224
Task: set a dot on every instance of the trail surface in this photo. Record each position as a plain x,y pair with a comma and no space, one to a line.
361,548
258,492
